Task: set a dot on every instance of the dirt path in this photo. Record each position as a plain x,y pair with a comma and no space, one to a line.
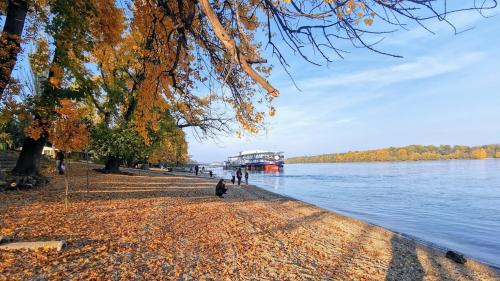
174,228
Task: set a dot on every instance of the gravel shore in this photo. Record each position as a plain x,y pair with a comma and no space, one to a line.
167,227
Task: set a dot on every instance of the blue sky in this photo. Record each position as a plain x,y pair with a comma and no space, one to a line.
444,91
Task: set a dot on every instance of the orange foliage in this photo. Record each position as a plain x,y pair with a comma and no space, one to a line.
68,132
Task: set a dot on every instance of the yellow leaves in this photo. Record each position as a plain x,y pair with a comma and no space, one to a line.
40,59
173,148
57,76
356,8
5,231
102,249
351,5
35,130
109,23
68,132
183,107
479,153
272,111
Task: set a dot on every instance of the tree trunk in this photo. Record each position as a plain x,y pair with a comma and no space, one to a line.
10,40
28,163
112,165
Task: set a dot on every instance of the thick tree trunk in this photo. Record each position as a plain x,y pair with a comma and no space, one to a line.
28,163
10,40
112,165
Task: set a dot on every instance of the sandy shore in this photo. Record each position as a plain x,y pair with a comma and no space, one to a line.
173,227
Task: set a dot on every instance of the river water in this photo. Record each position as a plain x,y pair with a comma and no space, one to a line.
451,204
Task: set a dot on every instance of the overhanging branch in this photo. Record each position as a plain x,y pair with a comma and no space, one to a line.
233,50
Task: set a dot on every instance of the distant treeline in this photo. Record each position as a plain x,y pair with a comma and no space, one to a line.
407,153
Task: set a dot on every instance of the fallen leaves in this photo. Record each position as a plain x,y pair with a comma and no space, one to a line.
177,229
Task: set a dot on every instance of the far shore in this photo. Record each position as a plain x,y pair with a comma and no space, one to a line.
157,226
394,161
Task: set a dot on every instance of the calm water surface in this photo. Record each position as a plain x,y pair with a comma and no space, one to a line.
453,204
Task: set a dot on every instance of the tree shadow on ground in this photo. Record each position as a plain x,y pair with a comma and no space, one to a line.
405,264
118,187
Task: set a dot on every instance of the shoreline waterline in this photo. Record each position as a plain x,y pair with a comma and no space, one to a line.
420,241
453,204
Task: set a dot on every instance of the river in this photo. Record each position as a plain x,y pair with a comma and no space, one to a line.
451,204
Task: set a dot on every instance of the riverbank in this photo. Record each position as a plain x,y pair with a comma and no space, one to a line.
173,227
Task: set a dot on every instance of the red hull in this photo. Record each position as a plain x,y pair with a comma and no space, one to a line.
271,168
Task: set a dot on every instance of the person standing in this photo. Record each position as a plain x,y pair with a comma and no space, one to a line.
239,175
246,177
196,169
233,176
60,162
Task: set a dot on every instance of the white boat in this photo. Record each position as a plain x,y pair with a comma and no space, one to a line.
256,160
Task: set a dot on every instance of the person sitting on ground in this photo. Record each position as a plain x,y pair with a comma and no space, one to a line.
220,189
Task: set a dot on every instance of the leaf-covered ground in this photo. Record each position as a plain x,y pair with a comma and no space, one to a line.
162,227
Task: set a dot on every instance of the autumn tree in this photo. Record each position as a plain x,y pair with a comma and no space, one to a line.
54,69
479,153
124,144
69,131
139,86
402,154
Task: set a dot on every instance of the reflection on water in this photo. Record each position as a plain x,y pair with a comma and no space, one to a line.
454,204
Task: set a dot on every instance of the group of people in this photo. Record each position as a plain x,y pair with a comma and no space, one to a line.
221,189
238,174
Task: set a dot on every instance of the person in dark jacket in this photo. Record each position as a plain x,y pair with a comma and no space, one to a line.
196,169
239,175
220,189
246,176
60,162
